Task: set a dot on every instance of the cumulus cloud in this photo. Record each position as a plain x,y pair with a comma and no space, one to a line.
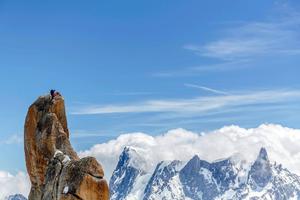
13,184
282,144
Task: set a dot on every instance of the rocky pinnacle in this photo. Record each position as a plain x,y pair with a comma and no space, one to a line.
55,170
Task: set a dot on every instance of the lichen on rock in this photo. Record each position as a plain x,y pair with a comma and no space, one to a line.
51,162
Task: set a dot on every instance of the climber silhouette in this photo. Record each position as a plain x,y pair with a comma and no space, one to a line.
54,93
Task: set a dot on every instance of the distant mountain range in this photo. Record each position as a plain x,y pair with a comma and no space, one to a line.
142,172
198,179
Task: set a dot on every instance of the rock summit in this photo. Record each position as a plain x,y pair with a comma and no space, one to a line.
55,170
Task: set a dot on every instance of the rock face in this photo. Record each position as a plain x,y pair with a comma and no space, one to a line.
55,170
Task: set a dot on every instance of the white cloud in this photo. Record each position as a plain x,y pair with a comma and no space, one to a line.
203,104
206,88
244,44
200,69
282,144
88,133
249,40
13,184
130,93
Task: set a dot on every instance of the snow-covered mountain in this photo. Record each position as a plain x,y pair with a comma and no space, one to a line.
127,174
231,178
16,197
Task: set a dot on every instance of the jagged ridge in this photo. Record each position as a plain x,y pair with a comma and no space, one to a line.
198,179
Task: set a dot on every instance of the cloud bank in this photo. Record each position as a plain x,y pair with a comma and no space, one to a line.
282,144
13,184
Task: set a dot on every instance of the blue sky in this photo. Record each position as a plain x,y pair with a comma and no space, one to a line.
148,66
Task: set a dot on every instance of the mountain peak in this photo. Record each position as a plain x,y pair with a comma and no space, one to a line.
129,151
195,160
131,165
263,155
260,173
133,157
126,152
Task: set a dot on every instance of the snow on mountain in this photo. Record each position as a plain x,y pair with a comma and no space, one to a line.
219,178
13,184
165,182
16,197
266,181
128,177
198,179
282,144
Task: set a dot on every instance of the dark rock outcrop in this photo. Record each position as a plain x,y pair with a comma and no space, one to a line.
261,172
55,170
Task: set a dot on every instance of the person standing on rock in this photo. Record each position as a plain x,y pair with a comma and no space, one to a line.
54,93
